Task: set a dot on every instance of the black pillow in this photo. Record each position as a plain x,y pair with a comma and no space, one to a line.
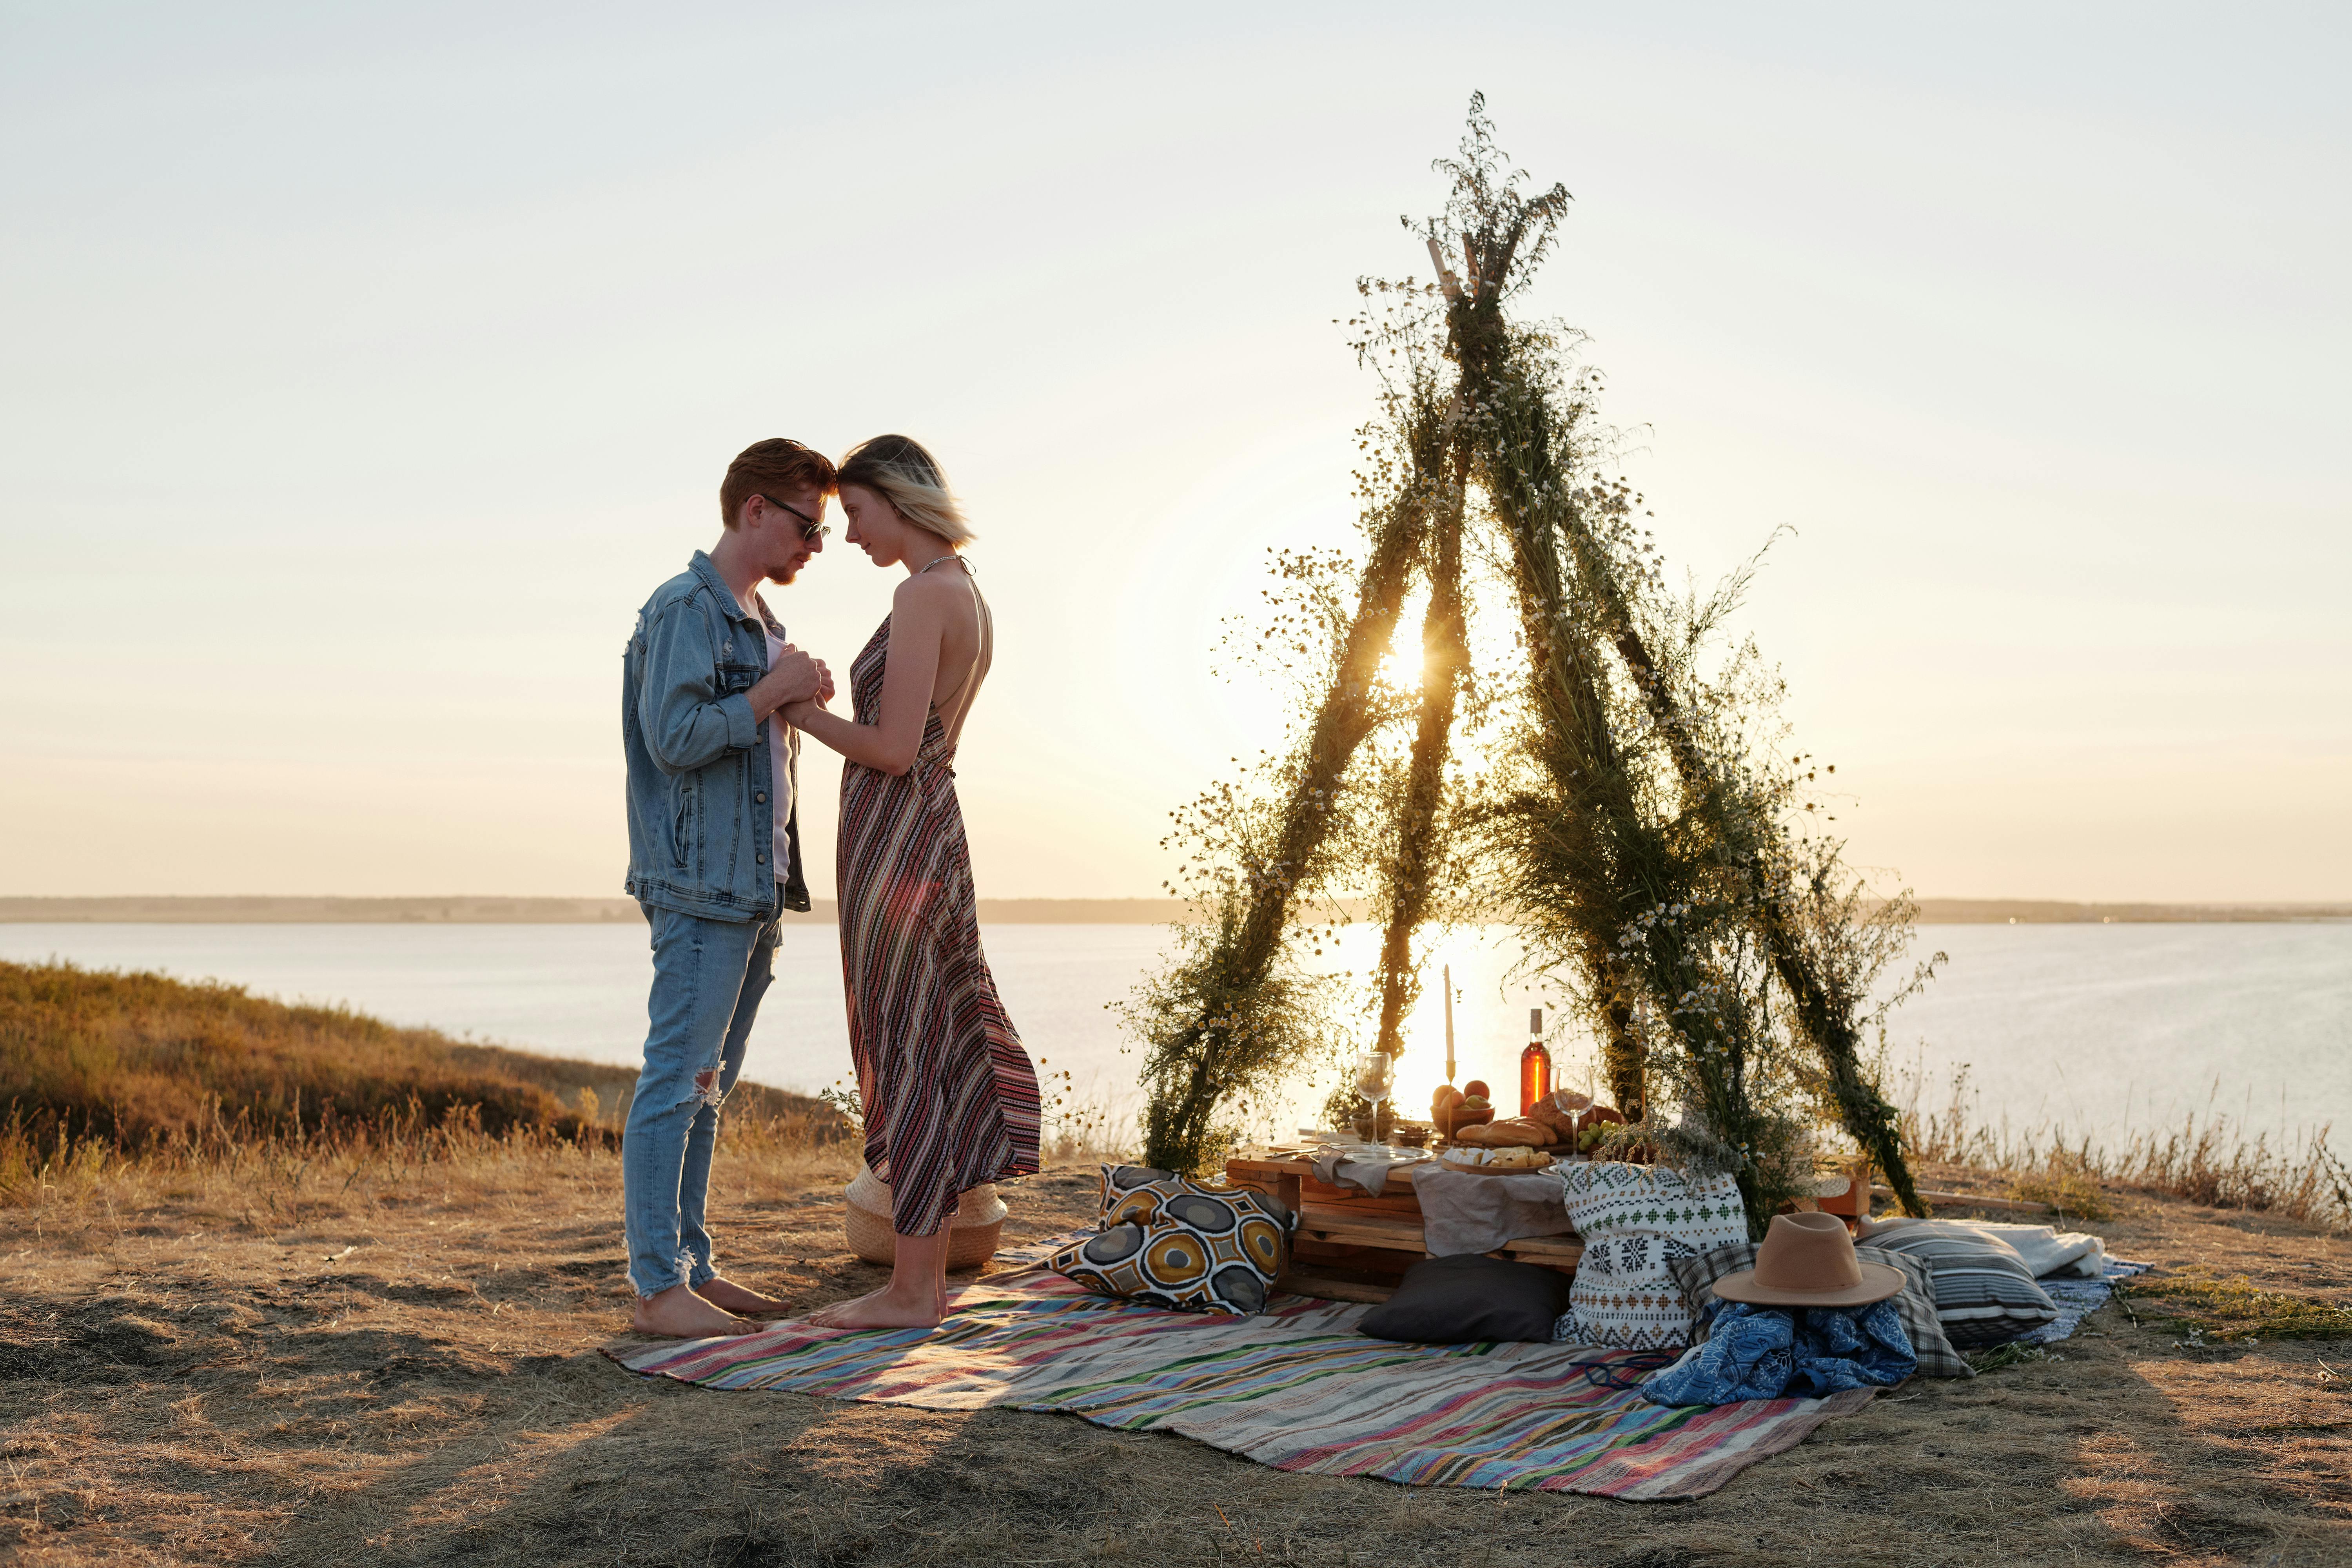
1469,1297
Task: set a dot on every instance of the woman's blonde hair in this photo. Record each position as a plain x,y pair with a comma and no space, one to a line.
897,468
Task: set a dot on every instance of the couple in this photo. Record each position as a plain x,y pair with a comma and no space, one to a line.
713,704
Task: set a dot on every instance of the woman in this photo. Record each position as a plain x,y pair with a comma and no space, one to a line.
949,1096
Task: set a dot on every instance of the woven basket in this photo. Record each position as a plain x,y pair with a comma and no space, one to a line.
972,1230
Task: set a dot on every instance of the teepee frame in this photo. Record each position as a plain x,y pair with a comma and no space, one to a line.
1498,426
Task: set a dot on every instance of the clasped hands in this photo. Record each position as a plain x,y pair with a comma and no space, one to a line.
794,677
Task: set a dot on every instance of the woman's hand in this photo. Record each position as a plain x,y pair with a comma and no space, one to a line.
918,611
794,677
796,714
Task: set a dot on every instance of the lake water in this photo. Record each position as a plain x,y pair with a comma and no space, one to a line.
2097,1028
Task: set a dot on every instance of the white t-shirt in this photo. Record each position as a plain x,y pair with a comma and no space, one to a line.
784,745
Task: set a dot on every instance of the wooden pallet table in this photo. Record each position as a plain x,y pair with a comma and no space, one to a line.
1353,1246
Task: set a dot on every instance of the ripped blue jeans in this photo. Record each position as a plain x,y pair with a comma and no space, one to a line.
709,977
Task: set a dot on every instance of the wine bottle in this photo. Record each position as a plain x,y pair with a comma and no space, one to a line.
1535,1065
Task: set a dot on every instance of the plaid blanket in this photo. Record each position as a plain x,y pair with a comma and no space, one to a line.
1296,1388
2078,1299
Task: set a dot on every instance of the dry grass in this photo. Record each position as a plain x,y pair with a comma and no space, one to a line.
376,1343
389,1363
138,1058
138,1085
2209,1161
96,1064
2200,1302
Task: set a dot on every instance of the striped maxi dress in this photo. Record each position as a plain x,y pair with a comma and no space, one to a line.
949,1096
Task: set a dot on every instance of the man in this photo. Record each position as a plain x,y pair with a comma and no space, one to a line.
714,860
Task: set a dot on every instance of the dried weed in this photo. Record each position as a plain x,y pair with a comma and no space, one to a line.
2234,1307
2210,1160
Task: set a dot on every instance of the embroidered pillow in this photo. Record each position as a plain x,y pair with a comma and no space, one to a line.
1915,1305
1634,1220
1168,1241
1984,1293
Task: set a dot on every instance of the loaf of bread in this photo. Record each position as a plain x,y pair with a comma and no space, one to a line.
1560,1126
1557,1111
1520,1132
1525,1132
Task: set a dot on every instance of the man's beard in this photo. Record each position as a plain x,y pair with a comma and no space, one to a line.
785,574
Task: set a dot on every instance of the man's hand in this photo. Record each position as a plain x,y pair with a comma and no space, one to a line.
793,677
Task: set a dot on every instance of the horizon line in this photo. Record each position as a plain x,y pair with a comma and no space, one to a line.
274,909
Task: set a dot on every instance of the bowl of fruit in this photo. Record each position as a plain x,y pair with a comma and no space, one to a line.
1466,1107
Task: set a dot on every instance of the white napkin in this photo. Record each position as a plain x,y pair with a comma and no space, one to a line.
1463,1212
1333,1167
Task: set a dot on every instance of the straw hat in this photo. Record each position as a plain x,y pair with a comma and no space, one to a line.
1807,1260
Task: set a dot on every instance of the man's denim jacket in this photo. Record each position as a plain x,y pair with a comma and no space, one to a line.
700,829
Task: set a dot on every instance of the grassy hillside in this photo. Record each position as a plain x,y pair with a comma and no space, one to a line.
138,1059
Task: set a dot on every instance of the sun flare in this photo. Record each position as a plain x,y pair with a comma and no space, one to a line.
1401,670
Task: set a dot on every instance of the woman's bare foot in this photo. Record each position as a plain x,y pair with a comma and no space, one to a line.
885,1308
677,1313
726,1294
824,1316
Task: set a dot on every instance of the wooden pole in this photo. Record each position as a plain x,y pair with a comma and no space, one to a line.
1445,278
1420,831
1818,1015
1447,981
1190,1073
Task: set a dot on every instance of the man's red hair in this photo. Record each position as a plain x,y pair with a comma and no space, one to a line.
768,466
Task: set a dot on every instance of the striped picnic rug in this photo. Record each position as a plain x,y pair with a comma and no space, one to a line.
1296,1388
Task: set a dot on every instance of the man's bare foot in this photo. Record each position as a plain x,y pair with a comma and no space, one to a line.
726,1294
677,1313
883,1309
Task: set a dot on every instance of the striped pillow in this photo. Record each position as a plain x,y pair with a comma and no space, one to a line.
1984,1293
1916,1304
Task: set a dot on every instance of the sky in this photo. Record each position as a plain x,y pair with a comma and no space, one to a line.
364,368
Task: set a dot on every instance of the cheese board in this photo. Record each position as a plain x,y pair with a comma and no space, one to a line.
1533,1160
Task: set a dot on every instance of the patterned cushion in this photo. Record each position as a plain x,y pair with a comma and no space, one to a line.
1168,1241
1915,1305
1984,1293
1634,1221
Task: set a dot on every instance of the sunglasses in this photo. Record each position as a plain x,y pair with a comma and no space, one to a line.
810,528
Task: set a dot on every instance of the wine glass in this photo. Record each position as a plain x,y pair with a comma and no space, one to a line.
1375,1075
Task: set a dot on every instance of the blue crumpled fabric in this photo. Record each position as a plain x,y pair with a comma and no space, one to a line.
1779,1353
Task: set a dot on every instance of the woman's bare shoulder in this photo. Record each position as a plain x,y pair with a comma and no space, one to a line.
930,591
